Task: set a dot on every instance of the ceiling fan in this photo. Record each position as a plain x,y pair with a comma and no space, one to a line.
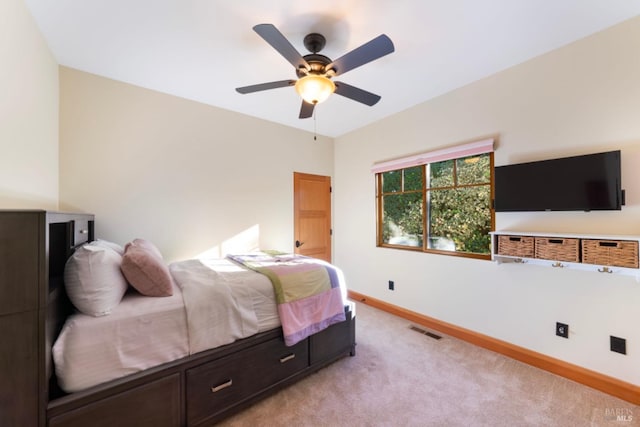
315,71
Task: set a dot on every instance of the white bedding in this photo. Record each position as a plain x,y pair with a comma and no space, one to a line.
223,302
142,332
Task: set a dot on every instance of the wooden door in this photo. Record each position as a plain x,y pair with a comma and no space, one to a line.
312,215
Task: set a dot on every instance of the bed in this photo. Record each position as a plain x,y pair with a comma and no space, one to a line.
140,364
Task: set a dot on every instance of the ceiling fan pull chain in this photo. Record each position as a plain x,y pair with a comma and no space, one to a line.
315,125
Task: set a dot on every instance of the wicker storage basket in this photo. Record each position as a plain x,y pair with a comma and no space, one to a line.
558,248
619,253
520,246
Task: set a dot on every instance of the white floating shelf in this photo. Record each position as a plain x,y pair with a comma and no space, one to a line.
533,260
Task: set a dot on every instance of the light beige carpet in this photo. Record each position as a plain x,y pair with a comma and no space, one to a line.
400,377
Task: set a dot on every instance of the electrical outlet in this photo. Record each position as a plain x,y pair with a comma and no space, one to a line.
392,286
619,345
562,330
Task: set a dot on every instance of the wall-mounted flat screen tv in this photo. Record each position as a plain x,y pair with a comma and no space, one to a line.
580,183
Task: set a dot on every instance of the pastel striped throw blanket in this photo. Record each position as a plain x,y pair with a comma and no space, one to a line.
308,291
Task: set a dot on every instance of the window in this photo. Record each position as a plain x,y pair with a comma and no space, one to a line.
441,206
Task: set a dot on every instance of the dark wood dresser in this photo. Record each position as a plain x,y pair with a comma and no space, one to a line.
29,281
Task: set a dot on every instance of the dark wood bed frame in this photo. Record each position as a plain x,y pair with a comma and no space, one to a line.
197,390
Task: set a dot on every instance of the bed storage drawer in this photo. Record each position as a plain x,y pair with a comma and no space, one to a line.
216,386
331,343
154,404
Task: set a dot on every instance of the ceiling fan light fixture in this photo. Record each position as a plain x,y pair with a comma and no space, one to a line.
314,88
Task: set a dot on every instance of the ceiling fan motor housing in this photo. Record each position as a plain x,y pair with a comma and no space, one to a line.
317,63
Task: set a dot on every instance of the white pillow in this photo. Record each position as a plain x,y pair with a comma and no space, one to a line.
107,244
93,280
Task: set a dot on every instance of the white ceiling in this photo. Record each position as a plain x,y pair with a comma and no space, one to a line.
203,49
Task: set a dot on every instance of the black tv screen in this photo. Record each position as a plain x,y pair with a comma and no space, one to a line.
579,183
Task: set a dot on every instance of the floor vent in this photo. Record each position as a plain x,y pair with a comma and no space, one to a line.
417,329
432,335
424,332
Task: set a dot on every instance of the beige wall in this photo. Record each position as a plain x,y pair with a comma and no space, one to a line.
28,113
187,176
580,99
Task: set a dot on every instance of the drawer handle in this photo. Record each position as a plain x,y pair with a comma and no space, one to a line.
605,270
221,386
287,358
84,231
557,265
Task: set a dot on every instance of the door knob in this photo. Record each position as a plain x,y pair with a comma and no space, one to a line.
299,243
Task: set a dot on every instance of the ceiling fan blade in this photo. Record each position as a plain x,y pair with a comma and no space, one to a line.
265,86
357,94
279,42
306,110
374,49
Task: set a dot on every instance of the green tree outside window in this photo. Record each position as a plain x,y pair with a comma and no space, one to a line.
442,206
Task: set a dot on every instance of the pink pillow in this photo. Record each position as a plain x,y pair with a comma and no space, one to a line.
145,270
146,245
